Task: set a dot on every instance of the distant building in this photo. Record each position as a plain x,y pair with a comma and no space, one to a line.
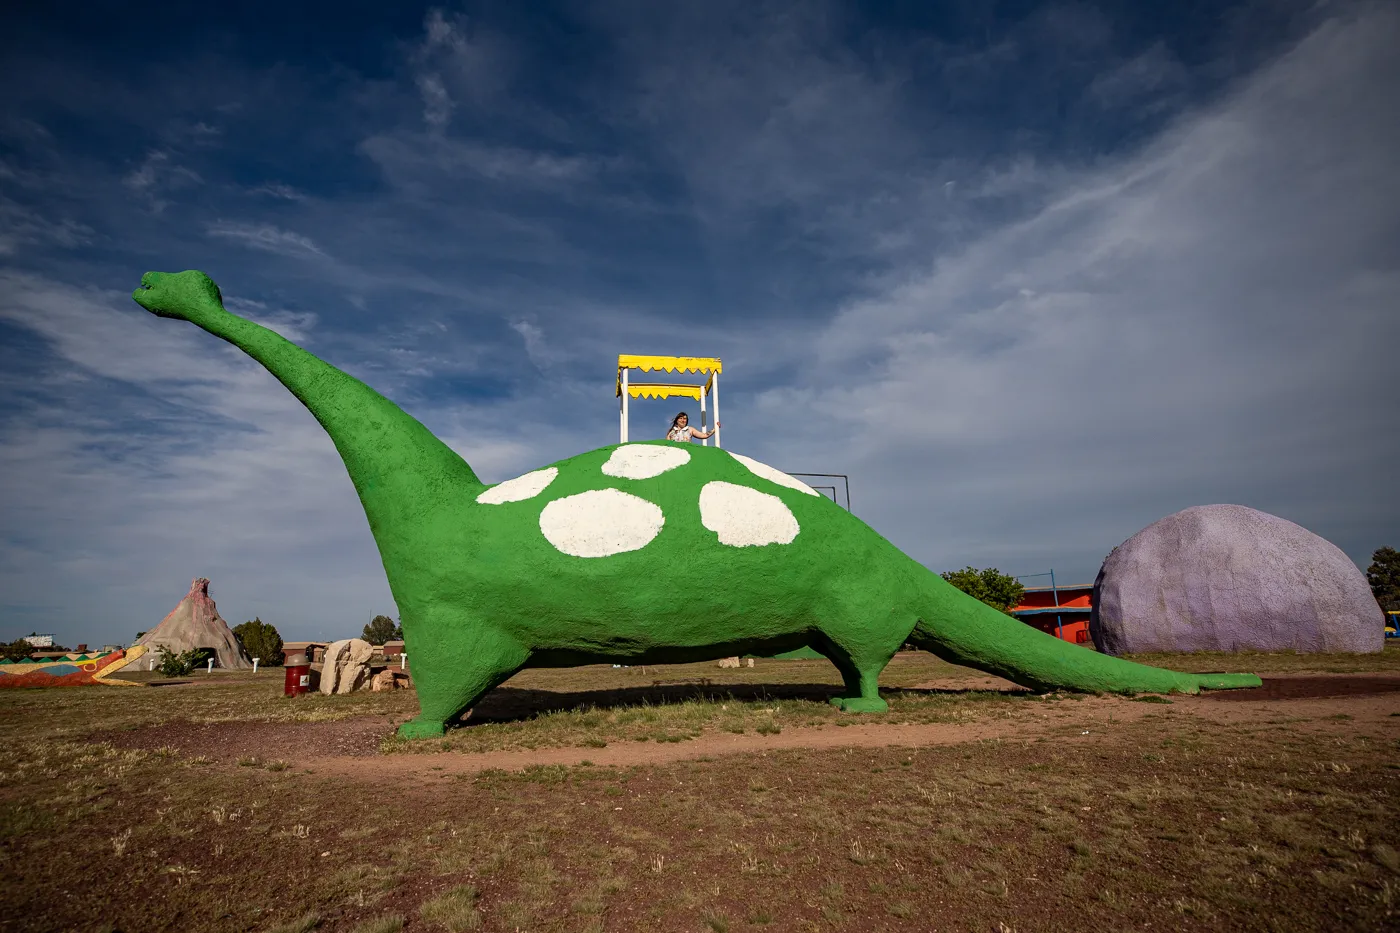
1062,611
392,649
40,641
300,652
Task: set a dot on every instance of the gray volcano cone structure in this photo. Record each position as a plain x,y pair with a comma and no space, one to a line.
196,623
1230,578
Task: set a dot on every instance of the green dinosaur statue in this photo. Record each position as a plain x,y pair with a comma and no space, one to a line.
580,562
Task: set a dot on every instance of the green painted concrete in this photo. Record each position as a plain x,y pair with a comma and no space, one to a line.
482,593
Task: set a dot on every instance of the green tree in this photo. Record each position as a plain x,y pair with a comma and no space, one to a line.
261,640
184,663
382,629
1384,577
991,586
17,650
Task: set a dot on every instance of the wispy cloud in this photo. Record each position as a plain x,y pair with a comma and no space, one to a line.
1165,333
454,61
279,191
22,228
157,175
265,237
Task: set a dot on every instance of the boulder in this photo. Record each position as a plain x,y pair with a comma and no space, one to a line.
361,651
1231,578
728,662
345,668
336,652
195,623
384,680
352,677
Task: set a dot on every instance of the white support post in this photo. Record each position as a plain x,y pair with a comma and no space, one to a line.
255,664
714,391
703,423
624,406
210,668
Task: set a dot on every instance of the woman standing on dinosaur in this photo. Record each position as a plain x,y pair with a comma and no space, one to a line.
682,431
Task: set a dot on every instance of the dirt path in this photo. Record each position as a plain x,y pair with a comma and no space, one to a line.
1087,721
350,748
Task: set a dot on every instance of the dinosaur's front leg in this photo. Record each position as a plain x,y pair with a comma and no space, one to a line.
454,663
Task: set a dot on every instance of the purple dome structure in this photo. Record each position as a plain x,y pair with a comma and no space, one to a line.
1231,578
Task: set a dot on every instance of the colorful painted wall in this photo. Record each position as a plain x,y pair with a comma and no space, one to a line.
80,671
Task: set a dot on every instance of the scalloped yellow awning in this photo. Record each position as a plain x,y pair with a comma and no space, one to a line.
662,390
681,364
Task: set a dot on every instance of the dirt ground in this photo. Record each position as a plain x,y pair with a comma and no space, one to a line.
351,748
671,801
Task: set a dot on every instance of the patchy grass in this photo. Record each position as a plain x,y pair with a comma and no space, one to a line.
1282,819
1278,662
678,703
454,911
303,924
232,696
390,923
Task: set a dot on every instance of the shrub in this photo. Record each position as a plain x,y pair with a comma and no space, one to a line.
991,586
381,629
184,663
17,650
261,640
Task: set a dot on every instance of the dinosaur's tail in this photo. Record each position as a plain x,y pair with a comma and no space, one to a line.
965,631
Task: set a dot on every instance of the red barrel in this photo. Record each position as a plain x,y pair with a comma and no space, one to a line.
298,679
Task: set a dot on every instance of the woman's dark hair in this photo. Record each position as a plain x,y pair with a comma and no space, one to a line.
679,416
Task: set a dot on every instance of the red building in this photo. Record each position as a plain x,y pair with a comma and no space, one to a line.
1062,611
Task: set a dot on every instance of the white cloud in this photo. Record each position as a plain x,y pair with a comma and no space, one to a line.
415,161
265,237
131,505
454,62
535,346
279,191
158,175
1140,81
1204,321
437,105
295,326
22,228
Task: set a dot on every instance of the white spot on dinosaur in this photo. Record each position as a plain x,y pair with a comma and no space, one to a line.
520,488
600,523
643,461
774,475
744,516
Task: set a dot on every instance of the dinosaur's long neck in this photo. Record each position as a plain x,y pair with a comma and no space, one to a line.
400,470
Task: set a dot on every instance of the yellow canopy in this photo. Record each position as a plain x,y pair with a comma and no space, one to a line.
683,364
661,390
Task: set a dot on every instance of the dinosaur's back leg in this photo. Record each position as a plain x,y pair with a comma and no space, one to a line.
861,646
455,661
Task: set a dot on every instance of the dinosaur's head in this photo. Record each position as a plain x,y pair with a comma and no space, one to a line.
181,295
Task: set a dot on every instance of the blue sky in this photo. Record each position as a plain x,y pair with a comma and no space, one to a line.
1034,274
